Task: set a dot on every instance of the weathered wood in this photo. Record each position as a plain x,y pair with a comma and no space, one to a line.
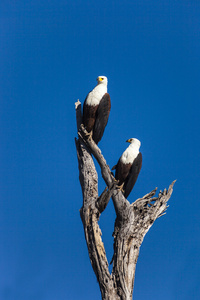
132,220
119,201
78,114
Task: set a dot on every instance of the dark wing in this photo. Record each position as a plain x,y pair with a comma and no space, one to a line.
122,171
102,115
89,115
133,175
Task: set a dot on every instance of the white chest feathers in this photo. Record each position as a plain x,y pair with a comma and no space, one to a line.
95,96
130,154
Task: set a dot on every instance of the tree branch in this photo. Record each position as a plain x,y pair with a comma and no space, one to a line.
119,201
90,213
132,222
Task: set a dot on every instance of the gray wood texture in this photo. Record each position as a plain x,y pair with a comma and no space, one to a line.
132,220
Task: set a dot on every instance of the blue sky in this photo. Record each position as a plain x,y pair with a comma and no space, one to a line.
50,55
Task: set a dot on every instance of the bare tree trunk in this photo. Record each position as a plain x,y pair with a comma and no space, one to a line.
132,220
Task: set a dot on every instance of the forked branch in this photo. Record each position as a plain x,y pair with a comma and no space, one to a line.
132,220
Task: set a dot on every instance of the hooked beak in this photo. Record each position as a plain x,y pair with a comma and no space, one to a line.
99,79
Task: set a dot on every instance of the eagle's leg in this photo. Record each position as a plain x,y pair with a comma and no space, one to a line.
88,135
120,187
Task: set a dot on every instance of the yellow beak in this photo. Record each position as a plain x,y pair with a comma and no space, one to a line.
99,79
128,141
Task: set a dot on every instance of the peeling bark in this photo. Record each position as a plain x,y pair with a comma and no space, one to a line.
132,220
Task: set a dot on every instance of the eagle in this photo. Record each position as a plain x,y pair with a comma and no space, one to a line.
96,109
129,166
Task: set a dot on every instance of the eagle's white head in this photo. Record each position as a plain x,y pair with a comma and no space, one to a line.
134,142
131,152
102,80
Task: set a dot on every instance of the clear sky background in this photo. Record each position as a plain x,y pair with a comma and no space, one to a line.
51,53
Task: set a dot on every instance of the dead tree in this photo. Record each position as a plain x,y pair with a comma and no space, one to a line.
132,220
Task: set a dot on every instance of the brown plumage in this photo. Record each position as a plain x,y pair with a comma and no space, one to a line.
96,109
129,166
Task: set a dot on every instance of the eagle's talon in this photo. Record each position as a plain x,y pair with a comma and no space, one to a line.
120,187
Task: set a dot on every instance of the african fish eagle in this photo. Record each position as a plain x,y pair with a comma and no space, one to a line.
129,166
96,109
